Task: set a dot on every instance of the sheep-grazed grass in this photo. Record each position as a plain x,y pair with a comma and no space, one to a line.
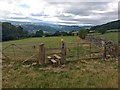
74,74
93,74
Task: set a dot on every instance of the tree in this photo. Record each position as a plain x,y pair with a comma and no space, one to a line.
39,33
82,34
71,33
57,33
12,32
102,31
64,33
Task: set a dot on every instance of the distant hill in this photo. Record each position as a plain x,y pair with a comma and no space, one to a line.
108,26
47,27
32,27
51,28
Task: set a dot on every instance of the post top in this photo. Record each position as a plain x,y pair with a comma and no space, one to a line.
42,44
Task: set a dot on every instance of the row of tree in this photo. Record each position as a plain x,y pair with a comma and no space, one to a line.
12,32
40,33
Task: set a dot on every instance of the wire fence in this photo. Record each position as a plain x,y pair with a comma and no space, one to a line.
77,51
111,49
74,51
20,52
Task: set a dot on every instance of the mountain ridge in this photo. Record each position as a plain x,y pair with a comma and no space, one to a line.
107,26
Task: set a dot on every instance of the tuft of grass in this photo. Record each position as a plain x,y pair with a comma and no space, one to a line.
93,74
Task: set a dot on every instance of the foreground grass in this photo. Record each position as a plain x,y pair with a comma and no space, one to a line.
93,74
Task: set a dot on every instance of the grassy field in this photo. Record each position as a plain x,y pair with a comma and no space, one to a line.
74,74
27,49
48,41
26,45
89,74
109,36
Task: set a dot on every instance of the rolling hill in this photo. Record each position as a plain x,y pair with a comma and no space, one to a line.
50,28
107,26
32,27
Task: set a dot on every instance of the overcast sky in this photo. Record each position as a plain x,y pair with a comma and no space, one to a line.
67,12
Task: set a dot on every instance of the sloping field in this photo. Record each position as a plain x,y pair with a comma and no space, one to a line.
48,41
109,36
76,74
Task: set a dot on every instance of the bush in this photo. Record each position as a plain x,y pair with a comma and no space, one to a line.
102,31
39,33
82,34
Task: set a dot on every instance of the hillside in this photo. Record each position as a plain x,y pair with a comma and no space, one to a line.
107,26
12,32
51,28
47,27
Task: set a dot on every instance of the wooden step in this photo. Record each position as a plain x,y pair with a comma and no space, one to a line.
49,57
57,57
53,61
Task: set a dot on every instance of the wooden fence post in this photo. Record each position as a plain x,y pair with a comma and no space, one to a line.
104,53
116,51
63,57
13,51
78,51
63,52
90,49
41,55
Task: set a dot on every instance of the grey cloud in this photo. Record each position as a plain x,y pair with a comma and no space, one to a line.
81,9
39,14
85,9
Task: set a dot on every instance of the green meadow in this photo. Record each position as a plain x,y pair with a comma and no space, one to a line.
74,74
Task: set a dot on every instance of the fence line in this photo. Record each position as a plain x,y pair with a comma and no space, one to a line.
73,51
109,46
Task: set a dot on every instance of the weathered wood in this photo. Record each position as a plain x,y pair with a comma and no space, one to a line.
5,56
29,58
78,50
90,50
33,64
53,61
63,55
57,57
104,53
13,51
41,55
49,57
63,52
